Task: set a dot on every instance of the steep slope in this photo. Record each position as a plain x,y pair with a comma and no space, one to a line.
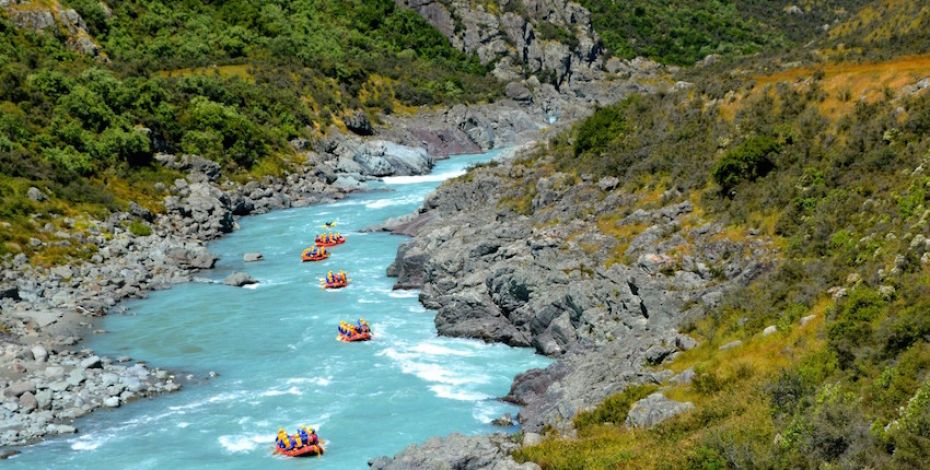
799,198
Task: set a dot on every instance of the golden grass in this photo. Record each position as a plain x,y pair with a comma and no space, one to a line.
847,83
738,410
226,71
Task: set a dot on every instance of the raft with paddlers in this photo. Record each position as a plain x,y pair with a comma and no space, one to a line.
316,253
335,280
303,444
330,239
350,333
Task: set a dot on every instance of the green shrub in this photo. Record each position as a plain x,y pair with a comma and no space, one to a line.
752,159
139,229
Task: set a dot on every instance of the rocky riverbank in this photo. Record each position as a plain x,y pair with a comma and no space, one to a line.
521,254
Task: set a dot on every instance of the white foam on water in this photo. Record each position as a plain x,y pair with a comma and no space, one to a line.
433,349
252,286
183,424
278,392
404,294
451,393
91,441
245,442
485,411
319,381
431,178
430,372
389,202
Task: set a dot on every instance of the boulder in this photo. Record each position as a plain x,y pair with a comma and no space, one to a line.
359,123
251,257
518,92
39,353
28,402
19,388
35,194
239,279
92,362
196,257
111,402
655,409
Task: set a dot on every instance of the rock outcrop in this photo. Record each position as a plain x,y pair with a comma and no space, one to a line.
456,452
551,39
50,17
540,279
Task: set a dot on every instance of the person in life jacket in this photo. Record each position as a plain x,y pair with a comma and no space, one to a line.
330,278
284,442
299,441
312,438
342,276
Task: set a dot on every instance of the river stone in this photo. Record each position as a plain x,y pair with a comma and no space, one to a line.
27,402
108,379
76,377
54,372
39,352
44,398
239,279
250,257
92,362
133,384
111,402
7,453
19,388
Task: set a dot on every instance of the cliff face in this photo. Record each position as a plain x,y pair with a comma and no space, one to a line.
552,39
51,17
539,267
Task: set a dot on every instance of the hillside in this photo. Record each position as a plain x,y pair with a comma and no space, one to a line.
730,275
91,94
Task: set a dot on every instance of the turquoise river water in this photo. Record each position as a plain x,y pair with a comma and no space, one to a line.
279,363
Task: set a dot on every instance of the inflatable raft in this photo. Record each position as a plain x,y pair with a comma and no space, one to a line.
334,285
332,241
312,450
354,337
308,255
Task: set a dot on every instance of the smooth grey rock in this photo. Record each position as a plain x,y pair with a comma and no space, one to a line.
92,362
39,353
251,257
35,194
18,388
239,279
655,409
44,399
111,402
769,330
807,319
28,402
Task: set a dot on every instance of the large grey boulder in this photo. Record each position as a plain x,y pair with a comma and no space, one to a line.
655,409
239,279
193,257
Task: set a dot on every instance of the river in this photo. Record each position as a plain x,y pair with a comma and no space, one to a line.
278,361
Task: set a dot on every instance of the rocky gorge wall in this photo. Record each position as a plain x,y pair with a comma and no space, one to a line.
549,277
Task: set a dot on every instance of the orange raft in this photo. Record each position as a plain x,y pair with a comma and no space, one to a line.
312,450
328,240
351,338
336,284
311,254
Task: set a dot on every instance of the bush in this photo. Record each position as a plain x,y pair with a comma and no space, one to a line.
139,229
752,159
